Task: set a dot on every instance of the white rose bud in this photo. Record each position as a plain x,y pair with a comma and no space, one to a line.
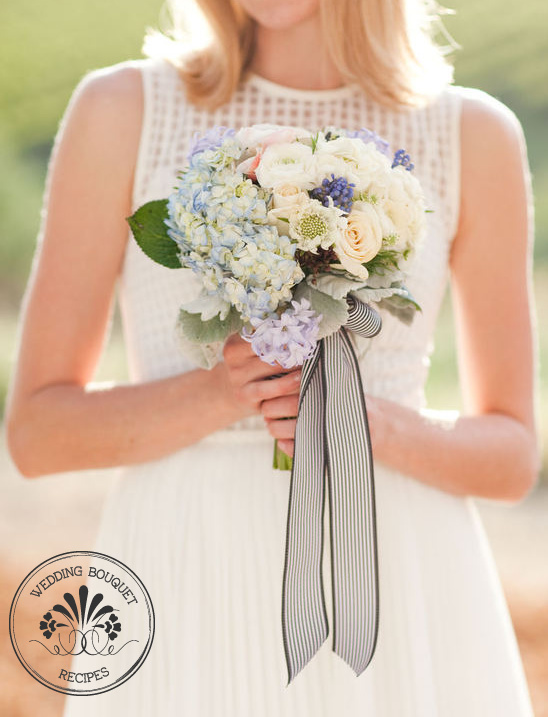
360,241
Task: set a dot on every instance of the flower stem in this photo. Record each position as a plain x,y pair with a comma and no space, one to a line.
281,461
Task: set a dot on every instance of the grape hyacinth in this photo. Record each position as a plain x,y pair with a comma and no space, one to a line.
289,340
401,158
339,190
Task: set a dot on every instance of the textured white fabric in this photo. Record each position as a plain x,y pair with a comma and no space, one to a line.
205,527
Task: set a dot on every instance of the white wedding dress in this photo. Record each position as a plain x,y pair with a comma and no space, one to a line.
204,528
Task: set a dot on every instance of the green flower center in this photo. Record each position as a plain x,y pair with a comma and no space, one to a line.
312,225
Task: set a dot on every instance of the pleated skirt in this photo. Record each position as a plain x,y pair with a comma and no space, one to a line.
204,529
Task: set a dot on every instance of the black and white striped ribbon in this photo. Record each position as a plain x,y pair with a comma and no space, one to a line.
332,441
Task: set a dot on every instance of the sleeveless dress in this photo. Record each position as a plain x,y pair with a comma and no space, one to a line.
204,528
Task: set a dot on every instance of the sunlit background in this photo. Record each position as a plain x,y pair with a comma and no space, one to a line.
45,50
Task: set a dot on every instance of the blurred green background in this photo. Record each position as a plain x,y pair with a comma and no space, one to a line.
47,47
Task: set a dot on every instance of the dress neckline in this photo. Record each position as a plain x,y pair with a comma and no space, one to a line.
273,88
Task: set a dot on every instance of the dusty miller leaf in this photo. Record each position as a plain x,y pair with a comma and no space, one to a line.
334,311
205,332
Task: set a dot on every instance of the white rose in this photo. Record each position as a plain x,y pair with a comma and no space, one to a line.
360,241
286,164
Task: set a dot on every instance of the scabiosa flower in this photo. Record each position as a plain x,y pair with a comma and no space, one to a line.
401,158
288,340
312,225
339,190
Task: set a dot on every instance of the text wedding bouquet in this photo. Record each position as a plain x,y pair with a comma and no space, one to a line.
292,236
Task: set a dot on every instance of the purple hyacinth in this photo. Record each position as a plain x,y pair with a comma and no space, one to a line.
339,189
367,135
288,340
212,139
401,158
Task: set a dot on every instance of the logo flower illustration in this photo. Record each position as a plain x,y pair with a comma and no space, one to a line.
47,625
112,627
87,620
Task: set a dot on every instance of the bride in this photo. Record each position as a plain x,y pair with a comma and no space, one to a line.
197,511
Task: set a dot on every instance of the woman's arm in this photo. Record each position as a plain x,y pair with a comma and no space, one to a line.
493,450
53,422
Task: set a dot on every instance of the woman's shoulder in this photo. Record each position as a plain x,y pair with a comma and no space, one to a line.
123,85
482,113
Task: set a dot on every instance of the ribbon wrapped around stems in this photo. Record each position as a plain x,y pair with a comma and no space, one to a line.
332,455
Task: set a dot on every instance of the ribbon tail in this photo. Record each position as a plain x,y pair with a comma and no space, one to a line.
304,614
352,506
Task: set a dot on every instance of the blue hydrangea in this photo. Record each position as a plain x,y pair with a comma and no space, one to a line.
218,220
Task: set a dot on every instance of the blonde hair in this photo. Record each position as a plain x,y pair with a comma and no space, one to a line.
386,46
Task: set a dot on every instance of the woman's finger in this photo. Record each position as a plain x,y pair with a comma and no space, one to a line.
281,407
263,390
287,446
282,428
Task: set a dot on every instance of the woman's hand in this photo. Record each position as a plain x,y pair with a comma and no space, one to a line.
249,382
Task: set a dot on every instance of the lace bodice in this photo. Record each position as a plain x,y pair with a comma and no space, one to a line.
395,363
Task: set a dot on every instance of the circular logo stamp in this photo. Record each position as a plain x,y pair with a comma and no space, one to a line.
82,623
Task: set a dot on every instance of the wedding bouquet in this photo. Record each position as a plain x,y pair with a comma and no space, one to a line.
292,236
284,227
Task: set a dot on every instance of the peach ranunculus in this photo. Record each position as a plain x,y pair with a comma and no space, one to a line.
360,241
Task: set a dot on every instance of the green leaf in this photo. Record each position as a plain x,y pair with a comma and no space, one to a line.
204,332
385,261
150,232
334,311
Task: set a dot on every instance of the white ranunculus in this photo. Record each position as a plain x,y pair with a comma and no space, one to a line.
360,241
404,206
286,164
359,162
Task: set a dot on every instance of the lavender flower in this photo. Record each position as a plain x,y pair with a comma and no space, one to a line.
367,135
212,139
288,340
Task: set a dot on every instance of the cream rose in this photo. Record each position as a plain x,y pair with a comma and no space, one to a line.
360,241
287,195
285,199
